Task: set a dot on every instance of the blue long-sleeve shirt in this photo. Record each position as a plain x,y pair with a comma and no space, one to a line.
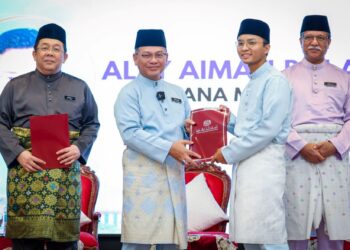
263,115
147,124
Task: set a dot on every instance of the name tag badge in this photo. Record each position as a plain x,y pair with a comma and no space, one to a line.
330,84
69,98
176,100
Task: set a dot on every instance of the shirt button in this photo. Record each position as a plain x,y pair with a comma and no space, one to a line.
165,109
315,83
316,91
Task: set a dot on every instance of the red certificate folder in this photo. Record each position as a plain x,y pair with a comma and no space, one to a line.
49,133
209,133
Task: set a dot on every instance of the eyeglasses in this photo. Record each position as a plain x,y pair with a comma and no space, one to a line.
250,43
149,56
46,49
319,38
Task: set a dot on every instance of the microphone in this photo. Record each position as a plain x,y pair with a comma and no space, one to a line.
160,96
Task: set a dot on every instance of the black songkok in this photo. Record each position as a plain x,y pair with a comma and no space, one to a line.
150,37
315,22
52,31
255,27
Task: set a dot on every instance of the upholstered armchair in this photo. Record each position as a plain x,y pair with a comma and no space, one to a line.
5,243
347,245
207,231
89,192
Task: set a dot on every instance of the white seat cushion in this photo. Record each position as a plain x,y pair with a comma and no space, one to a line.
202,209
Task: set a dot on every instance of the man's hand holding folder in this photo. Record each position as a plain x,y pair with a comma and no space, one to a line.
50,144
208,131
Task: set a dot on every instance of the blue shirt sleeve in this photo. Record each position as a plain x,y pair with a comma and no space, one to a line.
128,117
268,121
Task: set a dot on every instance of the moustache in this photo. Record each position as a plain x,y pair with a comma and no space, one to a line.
314,48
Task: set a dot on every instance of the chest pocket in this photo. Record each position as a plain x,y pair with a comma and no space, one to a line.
329,99
335,97
174,110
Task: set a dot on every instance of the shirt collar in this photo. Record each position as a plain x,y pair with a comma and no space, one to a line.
148,81
260,71
312,66
48,78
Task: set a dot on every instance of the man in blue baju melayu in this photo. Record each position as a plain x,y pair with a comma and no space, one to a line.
150,115
257,215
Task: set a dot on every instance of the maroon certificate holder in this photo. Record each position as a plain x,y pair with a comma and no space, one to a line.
209,133
49,133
